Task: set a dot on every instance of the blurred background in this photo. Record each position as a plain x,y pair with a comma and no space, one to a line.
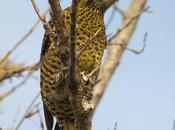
141,94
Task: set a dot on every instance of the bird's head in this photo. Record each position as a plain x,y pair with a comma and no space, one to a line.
101,5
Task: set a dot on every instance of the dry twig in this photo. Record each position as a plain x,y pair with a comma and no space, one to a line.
110,18
7,68
6,73
125,23
116,7
135,51
15,119
42,18
14,88
87,43
28,112
21,40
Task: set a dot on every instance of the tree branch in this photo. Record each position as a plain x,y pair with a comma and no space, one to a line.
135,51
28,110
58,19
10,71
87,43
115,52
72,62
42,18
14,88
22,39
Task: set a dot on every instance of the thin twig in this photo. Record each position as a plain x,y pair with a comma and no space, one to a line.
132,19
110,18
30,114
116,7
27,110
42,18
22,39
10,73
14,88
135,51
15,119
141,50
89,40
125,25
88,76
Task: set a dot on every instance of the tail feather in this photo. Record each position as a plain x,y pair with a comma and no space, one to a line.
56,127
48,118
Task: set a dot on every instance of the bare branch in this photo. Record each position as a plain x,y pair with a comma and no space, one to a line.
75,88
110,18
42,18
141,50
88,76
21,40
72,60
115,52
28,110
135,51
87,43
127,23
15,119
7,72
14,88
58,19
116,7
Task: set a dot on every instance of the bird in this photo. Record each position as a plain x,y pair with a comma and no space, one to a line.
89,47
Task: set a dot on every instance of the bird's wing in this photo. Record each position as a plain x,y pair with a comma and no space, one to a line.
56,126
48,118
45,44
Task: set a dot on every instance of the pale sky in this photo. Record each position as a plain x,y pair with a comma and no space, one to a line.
140,95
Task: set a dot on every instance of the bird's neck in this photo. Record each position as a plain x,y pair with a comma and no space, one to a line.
100,5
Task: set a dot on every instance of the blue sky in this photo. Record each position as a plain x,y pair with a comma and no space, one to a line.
140,95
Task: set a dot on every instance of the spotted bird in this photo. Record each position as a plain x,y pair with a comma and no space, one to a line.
54,91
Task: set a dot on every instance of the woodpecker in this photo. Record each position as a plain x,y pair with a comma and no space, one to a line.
54,91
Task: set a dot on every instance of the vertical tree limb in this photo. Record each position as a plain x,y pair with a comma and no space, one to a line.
72,60
58,19
82,120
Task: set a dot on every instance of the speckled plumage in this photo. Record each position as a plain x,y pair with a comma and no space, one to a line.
54,91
